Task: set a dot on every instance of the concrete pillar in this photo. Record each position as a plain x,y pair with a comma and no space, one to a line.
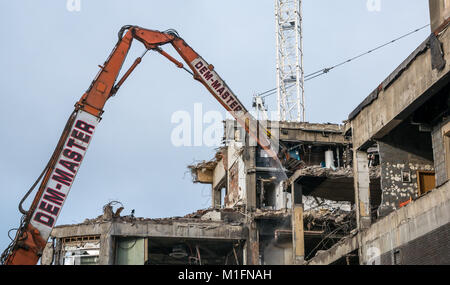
216,197
249,156
298,236
106,246
252,245
59,258
362,191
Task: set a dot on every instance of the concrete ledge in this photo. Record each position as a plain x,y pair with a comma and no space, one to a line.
182,229
218,231
80,230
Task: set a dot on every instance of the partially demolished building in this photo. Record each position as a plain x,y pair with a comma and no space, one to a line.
374,190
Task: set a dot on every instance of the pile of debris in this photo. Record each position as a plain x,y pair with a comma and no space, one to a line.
341,172
197,215
334,225
332,222
272,214
204,167
233,216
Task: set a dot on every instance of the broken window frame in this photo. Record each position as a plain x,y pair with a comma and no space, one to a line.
76,250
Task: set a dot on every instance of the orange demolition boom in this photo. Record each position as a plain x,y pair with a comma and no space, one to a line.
58,176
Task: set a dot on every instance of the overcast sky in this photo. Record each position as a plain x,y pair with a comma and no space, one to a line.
49,56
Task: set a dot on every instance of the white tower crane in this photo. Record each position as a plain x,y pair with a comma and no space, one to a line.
290,73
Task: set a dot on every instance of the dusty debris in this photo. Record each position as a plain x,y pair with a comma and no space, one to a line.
205,168
209,165
228,215
328,218
342,172
108,213
274,214
197,215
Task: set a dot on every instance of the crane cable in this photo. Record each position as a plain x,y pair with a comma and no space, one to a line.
324,71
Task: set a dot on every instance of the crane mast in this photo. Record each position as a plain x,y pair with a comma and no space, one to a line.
290,73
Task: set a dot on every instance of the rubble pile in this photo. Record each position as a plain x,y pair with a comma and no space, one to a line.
319,171
225,215
335,222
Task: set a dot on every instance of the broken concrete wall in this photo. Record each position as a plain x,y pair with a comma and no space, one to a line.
401,155
394,190
234,194
236,175
441,155
203,172
271,193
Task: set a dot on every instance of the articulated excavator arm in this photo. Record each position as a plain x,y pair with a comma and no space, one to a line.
59,174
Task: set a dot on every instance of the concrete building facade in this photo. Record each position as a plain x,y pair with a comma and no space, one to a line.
407,118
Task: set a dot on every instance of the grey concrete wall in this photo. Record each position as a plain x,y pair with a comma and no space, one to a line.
411,223
430,249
